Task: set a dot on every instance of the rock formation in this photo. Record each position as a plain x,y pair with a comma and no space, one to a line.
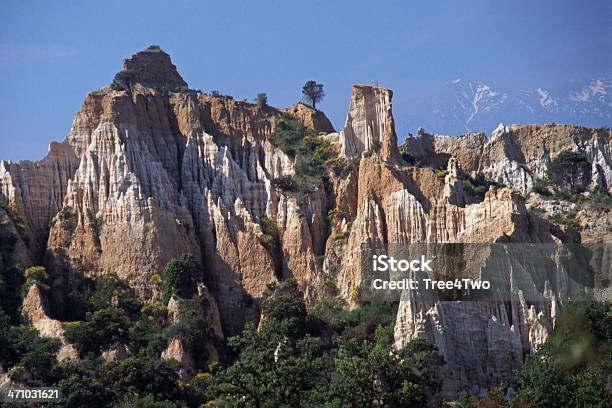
517,155
369,123
34,312
151,170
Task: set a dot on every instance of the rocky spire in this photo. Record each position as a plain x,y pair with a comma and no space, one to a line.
369,123
151,68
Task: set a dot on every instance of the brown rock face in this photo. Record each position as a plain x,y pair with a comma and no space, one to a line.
369,123
151,68
311,118
36,190
34,312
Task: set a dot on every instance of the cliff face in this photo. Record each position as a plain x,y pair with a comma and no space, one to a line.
151,170
517,155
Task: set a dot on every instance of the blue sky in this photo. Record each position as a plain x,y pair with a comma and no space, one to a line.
53,53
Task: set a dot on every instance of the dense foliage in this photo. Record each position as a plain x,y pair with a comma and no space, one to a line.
180,277
292,359
329,357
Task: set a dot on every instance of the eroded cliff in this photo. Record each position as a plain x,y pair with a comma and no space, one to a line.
151,170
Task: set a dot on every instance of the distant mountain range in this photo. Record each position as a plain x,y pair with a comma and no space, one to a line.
465,106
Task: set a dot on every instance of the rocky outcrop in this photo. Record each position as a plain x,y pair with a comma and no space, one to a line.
34,312
150,68
176,351
161,171
517,155
369,123
36,190
312,118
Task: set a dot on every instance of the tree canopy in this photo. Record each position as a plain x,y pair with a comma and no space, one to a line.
313,93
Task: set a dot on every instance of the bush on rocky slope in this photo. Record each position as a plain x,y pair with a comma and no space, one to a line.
312,155
180,277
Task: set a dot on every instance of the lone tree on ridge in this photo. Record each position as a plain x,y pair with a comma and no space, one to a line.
313,92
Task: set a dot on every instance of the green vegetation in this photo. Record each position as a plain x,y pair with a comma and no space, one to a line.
100,329
269,237
360,322
6,237
284,363
312,155
476,186
96,224
542,186
572,367
111,315
36,274
441,173
180,277
374,148
568,172
111,291
563,219
566,177
68,219
313,93
32,357
192,328
338,236
329,357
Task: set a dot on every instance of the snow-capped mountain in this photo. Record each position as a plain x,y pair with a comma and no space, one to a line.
466,106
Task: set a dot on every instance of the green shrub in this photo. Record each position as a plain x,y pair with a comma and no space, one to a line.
571,368
563,219
374,148
180,277
109,290
261,99
68,219
142,376
312,155
36,274
441,173
339,236
472,188
80,390
287,310
269,237
568,171
100,329
600,201
96,225
22,346
340,166
541,186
